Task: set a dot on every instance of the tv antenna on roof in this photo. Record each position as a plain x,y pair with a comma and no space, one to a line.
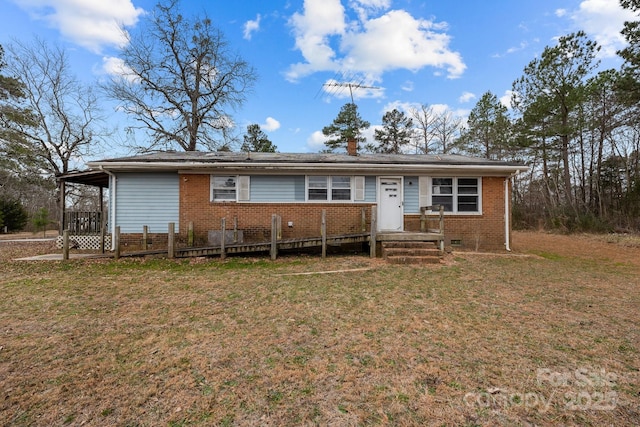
351,86
345,80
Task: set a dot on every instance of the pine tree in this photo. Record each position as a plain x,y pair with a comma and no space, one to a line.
488,128
550,93
346,126
255,140
397,130
629,84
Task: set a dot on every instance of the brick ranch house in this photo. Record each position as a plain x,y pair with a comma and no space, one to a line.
201,188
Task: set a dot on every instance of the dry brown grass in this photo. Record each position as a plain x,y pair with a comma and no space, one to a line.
480,341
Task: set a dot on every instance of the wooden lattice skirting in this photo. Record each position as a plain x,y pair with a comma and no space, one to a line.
85,242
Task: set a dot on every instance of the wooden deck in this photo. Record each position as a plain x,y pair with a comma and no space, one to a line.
302,243
276,244
288,244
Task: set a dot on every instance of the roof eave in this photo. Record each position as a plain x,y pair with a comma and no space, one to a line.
272,168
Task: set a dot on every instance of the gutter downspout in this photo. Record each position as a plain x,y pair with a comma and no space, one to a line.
507,211
112,202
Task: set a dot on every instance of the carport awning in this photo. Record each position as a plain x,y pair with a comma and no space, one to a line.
94,178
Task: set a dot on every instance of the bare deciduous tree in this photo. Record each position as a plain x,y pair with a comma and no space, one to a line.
447,130
64,113
179,80
425,121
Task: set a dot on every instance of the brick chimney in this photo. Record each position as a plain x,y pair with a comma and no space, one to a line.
352,147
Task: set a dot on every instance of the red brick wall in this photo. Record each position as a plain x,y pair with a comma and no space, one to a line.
475,232
481,232
254,219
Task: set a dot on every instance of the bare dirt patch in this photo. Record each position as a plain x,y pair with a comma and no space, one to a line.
550,339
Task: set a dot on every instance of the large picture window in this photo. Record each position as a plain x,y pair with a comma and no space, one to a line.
223,188
458,195
329,188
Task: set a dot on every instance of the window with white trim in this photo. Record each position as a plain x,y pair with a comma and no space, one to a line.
223,188
329,188
456,194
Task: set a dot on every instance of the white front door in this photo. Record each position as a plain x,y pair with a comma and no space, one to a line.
390,210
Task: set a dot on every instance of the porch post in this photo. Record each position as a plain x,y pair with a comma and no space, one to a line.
101,200
323,233
223,227
63,190
374,228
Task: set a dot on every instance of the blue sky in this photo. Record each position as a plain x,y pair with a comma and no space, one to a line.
442,53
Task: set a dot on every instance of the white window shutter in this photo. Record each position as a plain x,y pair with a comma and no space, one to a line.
423,189
244,193
359,188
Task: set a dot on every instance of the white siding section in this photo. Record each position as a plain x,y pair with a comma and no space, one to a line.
151,199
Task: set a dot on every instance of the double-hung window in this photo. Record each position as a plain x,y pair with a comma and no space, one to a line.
317,188
458,195
223,188
340,188
442,193
468,195
329,188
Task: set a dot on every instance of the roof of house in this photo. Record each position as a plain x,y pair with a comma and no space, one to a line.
243,157
245,162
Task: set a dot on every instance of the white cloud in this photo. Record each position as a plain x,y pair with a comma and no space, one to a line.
603,20
466,97
408,86
92,24
370,134
561,12
316,141
321,19
406,107
116,67
512,49
329,41
506,98
251,27
365,7
398,40
374,4
270,124
440,108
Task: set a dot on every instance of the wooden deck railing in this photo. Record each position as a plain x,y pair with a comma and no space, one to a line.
83,222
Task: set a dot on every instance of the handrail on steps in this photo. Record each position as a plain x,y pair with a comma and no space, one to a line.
424,218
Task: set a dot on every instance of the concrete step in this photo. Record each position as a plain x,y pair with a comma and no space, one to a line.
416,245
403,252
432,252
412,259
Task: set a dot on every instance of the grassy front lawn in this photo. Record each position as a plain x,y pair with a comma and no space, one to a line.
547,338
